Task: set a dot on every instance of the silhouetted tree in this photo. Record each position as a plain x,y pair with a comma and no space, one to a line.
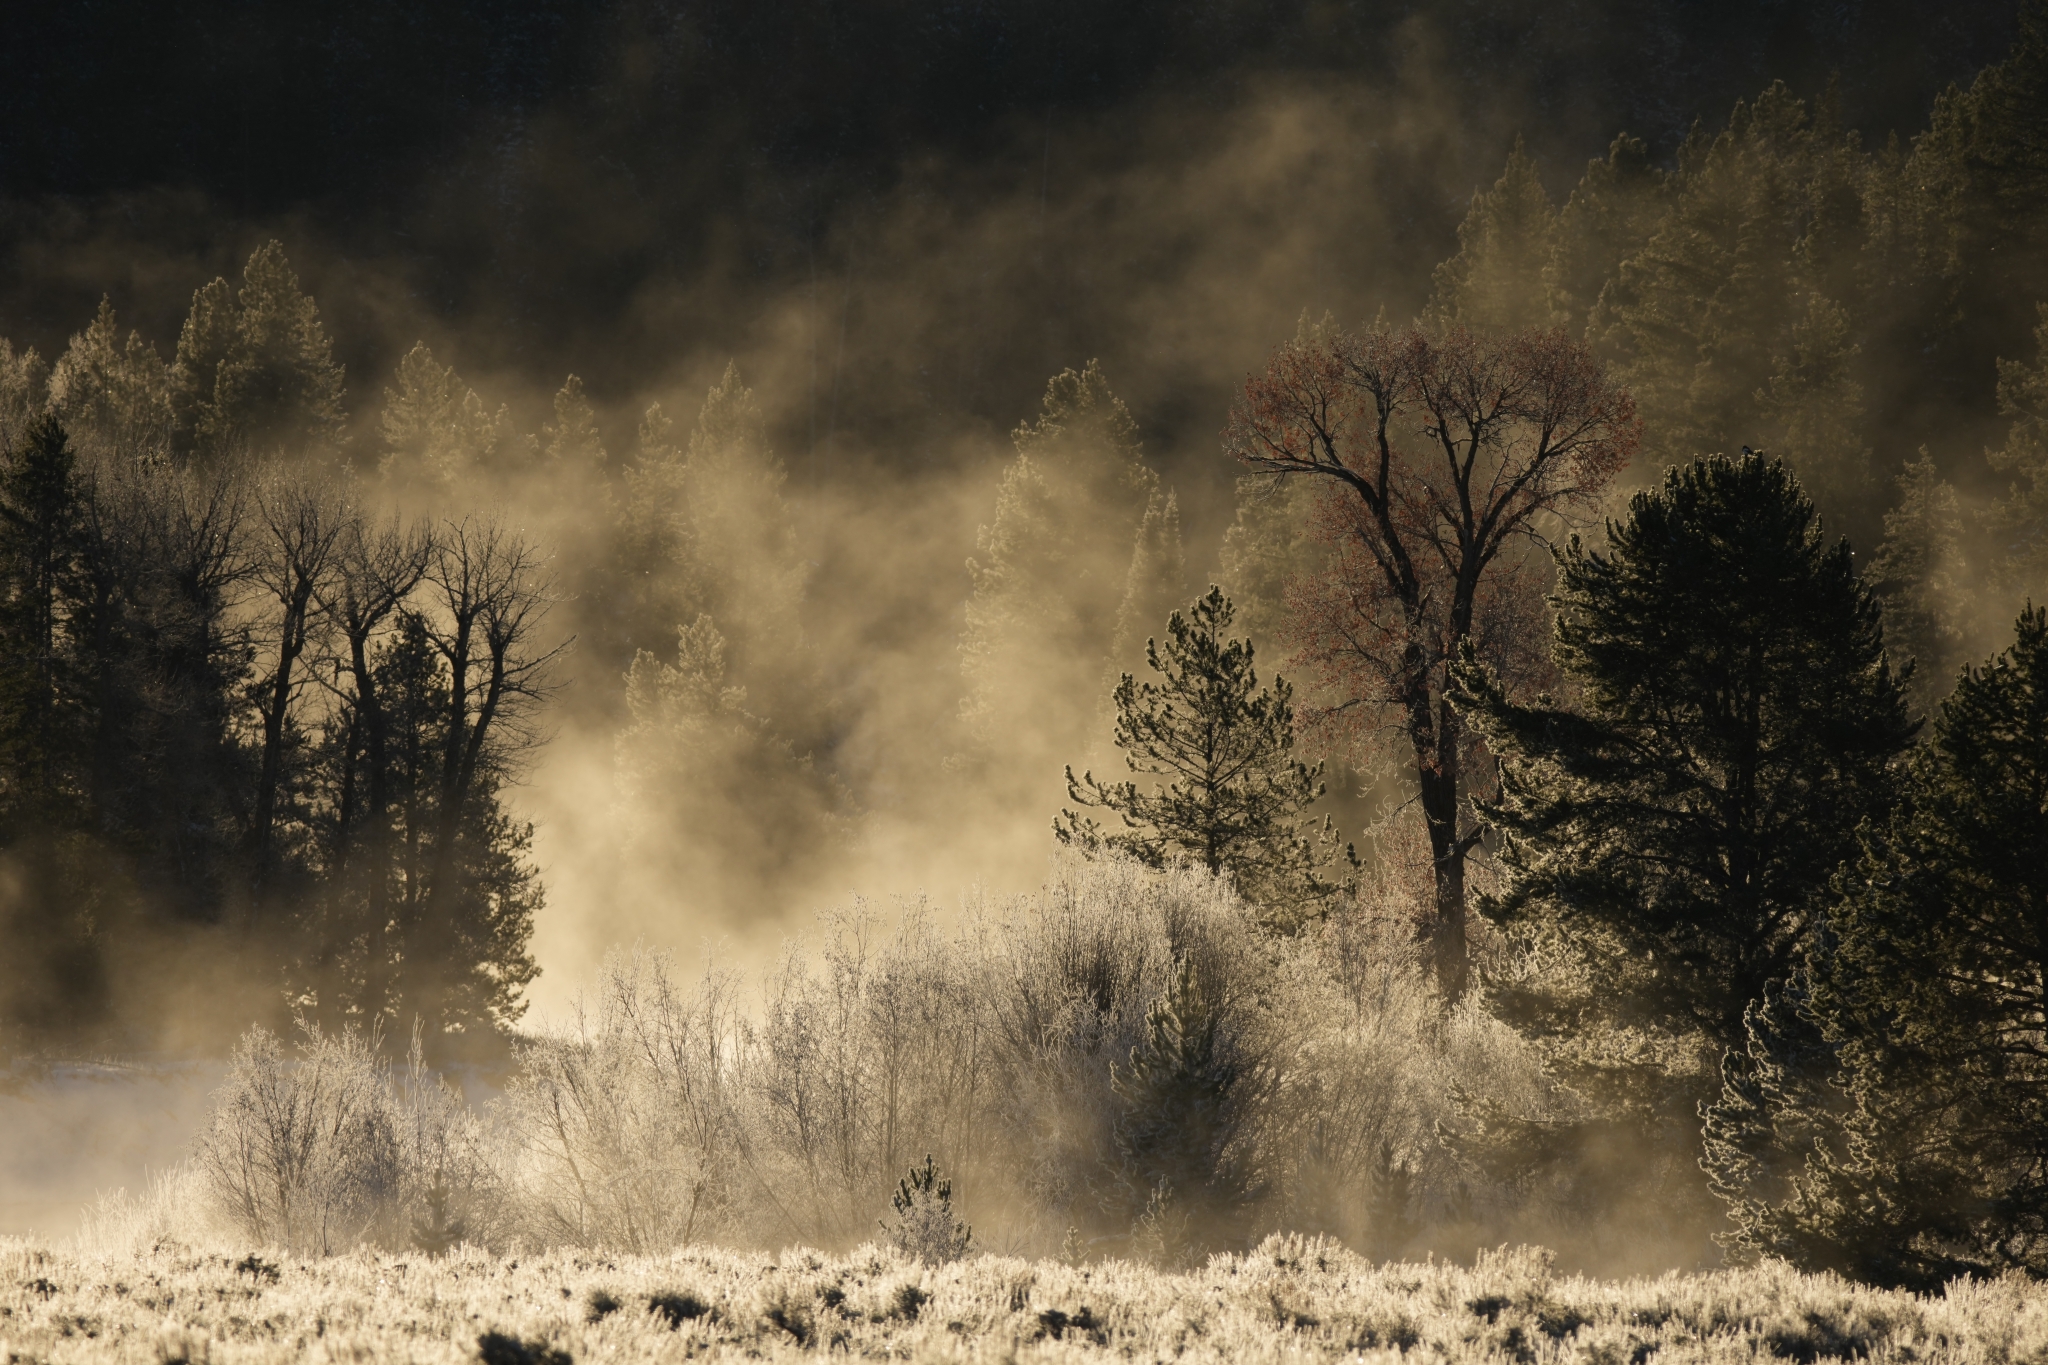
1183,1181
1738,722
1442,457
1889,1119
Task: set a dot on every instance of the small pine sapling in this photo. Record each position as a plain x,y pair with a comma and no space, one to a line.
925,1225
438,1232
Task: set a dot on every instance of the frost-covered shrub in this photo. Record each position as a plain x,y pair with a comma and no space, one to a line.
302,1151
625,1123
1121,1064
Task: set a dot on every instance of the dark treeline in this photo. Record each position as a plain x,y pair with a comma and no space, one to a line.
641,178
256,726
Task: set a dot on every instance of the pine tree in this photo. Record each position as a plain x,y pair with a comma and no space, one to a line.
1672,841
926,1226
642,584
1916,1150
2021,517
24,391
1920,577
1609,217
1236,793
1182,1181
573,443
1739,720
1727,322
435,430
1152,586
399,950
255,372
1054,569
1510,233
1667,847
53,980
709,791
113,393
1270,543
40,547
744,564
1813,404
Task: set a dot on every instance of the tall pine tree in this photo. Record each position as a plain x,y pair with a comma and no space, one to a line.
1889,1120
1668,844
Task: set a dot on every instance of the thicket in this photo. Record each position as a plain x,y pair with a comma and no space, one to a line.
1122,1064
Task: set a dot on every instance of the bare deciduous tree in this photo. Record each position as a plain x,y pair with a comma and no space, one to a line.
299,525
378,566
491,595
1447,455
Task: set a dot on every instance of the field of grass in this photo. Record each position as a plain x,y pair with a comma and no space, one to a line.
1290,1300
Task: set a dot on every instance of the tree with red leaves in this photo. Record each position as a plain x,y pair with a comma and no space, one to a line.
1447,458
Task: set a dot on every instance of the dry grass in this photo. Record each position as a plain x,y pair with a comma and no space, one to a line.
1291,1299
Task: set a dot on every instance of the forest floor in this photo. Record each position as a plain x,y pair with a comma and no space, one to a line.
1290,1300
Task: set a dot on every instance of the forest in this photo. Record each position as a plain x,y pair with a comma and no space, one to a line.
1561,756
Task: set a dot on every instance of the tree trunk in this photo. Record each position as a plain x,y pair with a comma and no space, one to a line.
1433,727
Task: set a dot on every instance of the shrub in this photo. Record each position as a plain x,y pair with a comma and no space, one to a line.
303,1153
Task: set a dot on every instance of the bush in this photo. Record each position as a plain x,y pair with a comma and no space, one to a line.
303,1153
624,1125
319,1151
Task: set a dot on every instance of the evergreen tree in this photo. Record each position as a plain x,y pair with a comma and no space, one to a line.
435,430
24,391
1897,1129
926,1226
1054,570
1814,405
573,443
1182,1181
1236,793
1667,846
255,372
431,893
39,553
53,980
1738,722
1977,184
1727,323
1269,543
709,793
1609,217
646,587
1920,577
113,393
1510,233
1152,586
742,562
2021,517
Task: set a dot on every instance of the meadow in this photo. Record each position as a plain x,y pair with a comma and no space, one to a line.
1291,1299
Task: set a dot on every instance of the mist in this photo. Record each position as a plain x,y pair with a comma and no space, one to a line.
759,360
